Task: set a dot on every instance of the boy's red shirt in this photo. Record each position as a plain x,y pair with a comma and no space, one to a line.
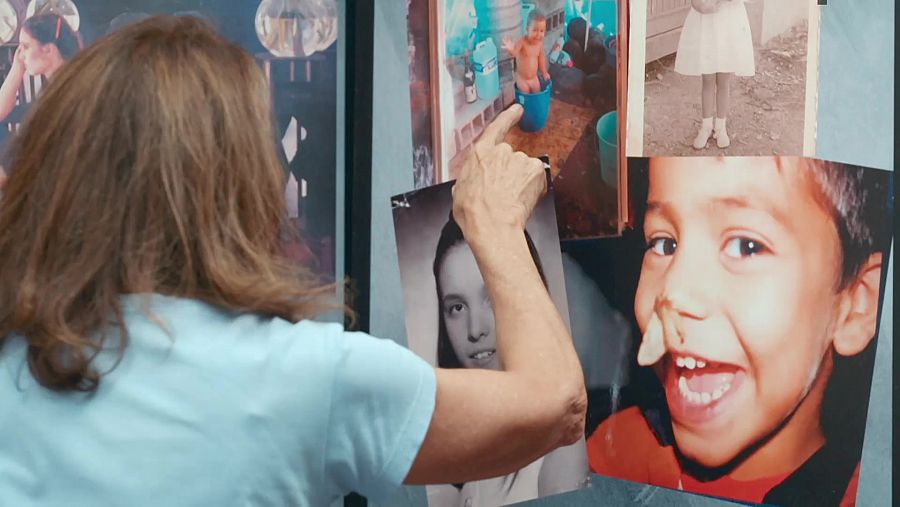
624,446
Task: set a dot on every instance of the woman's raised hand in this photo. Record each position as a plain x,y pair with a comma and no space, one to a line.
497,188
18,60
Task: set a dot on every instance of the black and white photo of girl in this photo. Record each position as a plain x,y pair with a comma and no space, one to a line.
450,322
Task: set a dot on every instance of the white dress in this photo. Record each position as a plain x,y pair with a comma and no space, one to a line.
716,42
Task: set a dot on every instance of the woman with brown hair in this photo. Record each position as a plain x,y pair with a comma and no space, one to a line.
157,349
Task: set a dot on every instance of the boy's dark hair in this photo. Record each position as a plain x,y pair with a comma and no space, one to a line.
861,203
536,15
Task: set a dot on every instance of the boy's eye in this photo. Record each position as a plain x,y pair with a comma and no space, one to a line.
662,246
740,248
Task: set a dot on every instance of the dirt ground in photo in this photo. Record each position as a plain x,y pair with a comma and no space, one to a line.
767,110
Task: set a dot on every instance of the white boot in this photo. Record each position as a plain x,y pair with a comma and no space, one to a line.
721,135
706,130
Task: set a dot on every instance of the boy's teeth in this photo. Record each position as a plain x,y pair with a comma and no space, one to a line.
704,398
689,362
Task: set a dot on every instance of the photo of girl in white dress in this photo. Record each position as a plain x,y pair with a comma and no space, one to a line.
722,77
715,44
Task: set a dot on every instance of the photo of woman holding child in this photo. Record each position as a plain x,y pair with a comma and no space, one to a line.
438,268
758,300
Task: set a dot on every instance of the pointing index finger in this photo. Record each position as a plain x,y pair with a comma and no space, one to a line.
497,130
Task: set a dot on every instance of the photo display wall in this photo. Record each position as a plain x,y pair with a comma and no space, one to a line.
296,43
723,286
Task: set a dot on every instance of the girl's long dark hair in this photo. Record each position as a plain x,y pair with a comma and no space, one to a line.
452,235
54,29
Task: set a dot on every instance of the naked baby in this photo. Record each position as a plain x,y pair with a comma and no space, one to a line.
529,54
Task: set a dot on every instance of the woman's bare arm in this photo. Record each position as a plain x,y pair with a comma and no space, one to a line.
543,65
10,89
489,423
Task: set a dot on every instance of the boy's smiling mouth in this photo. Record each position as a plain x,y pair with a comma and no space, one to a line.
698,389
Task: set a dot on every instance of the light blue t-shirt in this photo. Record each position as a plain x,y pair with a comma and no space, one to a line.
224,410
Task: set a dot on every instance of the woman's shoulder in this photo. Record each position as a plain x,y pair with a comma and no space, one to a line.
235,339
181,314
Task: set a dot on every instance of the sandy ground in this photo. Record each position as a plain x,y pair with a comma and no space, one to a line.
767,110
585,206
565,126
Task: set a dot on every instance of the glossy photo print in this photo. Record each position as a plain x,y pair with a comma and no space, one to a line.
295,43
722,77
471,59
450,323
754,288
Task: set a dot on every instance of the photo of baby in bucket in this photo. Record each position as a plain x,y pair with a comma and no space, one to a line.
557,58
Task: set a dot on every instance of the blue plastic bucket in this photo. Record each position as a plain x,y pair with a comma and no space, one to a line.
607,135
537,108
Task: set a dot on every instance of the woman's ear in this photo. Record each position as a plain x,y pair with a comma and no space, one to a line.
50,51
859,309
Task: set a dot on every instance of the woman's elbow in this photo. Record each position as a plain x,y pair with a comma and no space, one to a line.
573,414
564,411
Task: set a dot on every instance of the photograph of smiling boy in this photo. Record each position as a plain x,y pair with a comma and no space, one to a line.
450,323
758,301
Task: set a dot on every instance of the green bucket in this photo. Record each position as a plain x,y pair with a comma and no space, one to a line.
607,136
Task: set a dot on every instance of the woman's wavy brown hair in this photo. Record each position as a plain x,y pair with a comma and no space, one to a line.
148,165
